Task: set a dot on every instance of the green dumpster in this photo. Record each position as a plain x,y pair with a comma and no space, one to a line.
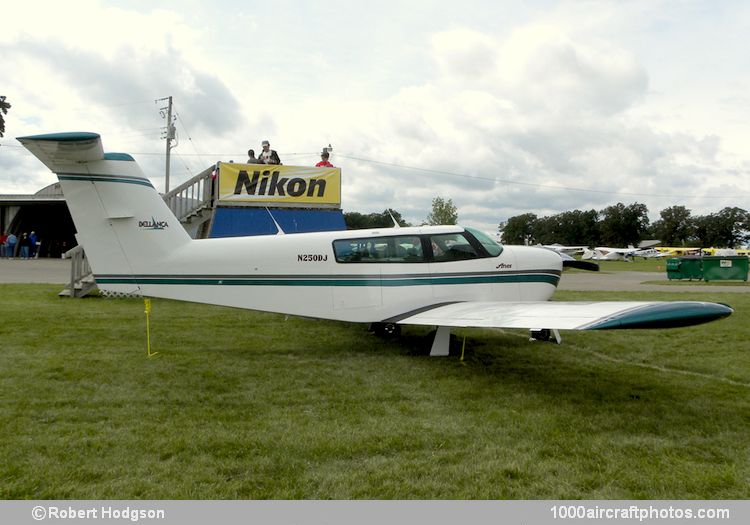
725,268
673,268
685,268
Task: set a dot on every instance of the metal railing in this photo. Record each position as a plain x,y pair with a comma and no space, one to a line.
81,276
192,196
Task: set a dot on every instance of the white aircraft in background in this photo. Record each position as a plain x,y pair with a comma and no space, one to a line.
566,254
649,253
605,253
445,276
568,250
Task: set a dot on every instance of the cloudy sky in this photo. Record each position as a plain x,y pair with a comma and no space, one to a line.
505,107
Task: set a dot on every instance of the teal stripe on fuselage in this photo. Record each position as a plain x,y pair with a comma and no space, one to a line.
331,281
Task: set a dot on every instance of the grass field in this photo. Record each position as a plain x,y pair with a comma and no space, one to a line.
687,282
241,405
636,265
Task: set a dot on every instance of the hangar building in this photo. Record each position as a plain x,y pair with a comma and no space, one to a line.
45,213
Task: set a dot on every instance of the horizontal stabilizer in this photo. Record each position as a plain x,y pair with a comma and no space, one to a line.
57,150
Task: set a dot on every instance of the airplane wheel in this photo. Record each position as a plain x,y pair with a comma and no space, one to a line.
541,335
387,329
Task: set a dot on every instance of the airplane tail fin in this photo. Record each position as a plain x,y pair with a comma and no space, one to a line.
122,221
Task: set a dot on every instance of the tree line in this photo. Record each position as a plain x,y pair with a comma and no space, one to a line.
443,212
621,225
4,107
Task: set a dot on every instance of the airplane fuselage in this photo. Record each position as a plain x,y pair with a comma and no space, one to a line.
355,275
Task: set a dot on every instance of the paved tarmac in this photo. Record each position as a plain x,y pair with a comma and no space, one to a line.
634,281
57,271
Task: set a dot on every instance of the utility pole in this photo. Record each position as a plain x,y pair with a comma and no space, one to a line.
169,135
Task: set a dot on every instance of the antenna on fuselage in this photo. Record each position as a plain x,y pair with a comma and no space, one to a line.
395,222
278,228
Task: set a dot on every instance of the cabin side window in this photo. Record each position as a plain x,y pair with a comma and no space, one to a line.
402,249
452,247
493,248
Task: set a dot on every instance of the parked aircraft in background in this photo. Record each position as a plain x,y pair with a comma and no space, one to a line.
620,254
568,259
444,276
604,253
677,251
649,253
569,250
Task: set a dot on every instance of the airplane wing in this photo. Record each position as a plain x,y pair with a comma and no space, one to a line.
564,315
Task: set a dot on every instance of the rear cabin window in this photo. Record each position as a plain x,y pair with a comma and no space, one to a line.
404,249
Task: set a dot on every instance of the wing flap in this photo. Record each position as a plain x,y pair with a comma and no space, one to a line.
596,315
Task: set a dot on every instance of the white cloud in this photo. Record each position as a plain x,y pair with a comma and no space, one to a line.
496,112
541,107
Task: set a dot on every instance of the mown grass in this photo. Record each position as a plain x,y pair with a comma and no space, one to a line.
688,282
635,265
241,405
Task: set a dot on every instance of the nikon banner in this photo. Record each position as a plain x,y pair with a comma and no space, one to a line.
261,184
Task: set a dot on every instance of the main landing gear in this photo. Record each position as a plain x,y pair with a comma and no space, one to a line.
386,329
440,343
545,334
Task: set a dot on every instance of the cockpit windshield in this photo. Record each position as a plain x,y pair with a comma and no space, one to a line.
492,247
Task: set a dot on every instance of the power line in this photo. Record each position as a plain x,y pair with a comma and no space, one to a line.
190,139
436,171
531,184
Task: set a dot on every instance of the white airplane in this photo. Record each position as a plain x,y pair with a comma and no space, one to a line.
605,253
649,253
568,250
568,259
445,276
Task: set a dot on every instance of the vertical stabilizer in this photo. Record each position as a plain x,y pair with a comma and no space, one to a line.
122,221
